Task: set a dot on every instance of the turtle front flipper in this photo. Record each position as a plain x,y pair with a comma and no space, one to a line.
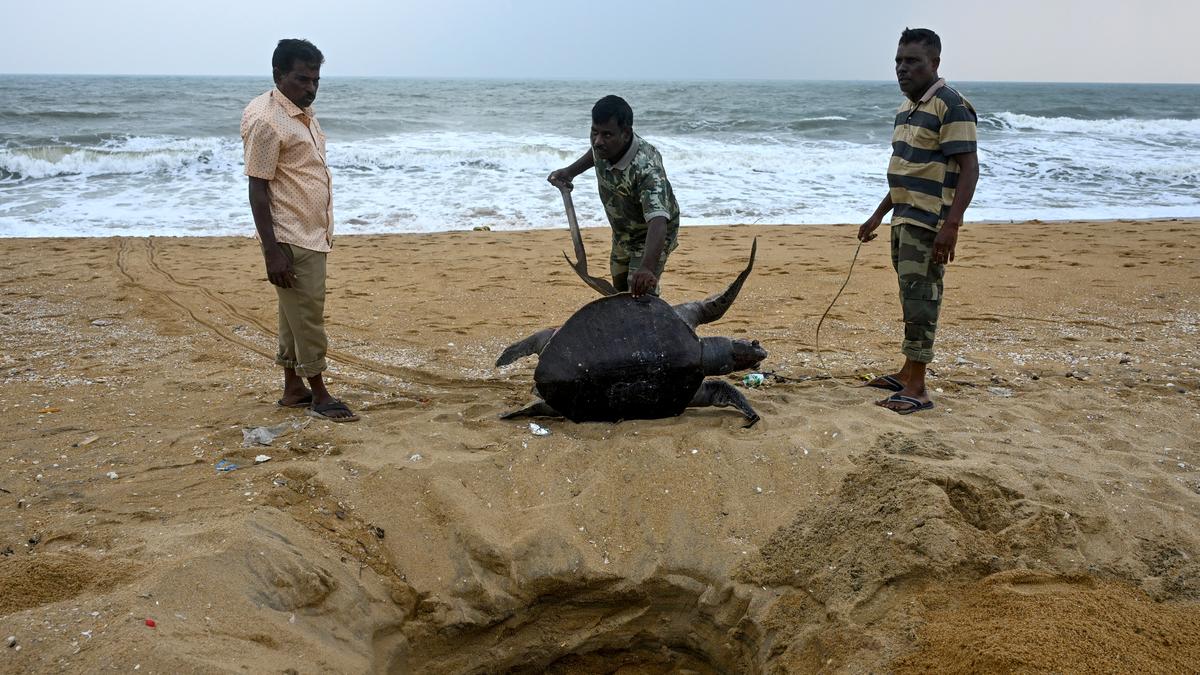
538,408
714,306
722,394
534,344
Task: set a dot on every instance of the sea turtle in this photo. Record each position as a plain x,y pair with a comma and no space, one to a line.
622,357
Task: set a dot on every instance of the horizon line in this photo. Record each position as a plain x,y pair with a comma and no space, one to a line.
507,78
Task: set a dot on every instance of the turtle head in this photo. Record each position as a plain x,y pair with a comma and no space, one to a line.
722,355
747,354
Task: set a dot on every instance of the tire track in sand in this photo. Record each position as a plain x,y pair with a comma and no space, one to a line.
186,298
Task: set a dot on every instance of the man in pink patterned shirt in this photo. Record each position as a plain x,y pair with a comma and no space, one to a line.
291,198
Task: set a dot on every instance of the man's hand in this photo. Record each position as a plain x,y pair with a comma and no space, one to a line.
643,282
943,244
279,268
559,178
866,231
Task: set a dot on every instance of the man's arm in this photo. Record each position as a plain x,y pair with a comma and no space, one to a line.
279,268
947,237
866,231
562,177
644,279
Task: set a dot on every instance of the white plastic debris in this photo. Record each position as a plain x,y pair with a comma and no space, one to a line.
259,459
415,457
538,430
1003,392
112,474
264,435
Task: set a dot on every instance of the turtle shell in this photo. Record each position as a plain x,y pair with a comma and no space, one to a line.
621,358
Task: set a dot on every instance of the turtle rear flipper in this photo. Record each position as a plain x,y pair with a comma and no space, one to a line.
534,344
714,306
538,408
722,394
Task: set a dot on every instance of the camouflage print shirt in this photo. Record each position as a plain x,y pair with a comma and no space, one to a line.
635,190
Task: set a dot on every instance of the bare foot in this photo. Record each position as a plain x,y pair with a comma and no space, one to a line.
295,399
893,382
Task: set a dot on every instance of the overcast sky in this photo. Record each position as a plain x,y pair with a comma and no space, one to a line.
1022,40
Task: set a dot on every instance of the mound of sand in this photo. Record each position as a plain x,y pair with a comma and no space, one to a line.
1033,622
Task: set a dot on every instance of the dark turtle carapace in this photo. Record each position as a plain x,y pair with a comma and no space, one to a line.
622,357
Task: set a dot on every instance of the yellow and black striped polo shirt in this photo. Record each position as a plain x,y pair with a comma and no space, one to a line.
923,173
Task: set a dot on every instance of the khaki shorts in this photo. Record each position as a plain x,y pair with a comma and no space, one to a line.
302,341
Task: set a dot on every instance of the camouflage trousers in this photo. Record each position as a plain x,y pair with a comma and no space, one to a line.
626,258
920,288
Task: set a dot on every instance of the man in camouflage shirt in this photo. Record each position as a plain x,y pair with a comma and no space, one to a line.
637,197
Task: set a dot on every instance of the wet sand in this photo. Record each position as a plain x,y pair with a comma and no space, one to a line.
1045,516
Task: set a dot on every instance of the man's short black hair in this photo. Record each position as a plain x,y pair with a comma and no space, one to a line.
613,107
922,36
289,51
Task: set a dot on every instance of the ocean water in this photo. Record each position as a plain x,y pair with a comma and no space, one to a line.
100,156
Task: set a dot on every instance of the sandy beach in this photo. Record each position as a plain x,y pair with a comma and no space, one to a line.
1044,517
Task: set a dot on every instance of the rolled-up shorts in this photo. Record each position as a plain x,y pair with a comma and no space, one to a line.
302,340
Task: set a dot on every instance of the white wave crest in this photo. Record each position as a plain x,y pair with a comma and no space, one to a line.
1124,127
130,156
428,181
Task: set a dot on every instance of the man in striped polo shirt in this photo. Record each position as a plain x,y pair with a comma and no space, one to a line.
931,179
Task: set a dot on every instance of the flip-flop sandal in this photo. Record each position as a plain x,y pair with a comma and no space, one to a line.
886,382
304,403
319,412
913,404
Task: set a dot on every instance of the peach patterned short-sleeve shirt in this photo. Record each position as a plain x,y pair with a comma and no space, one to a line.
284,144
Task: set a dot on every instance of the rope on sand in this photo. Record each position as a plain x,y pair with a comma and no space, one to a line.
820,358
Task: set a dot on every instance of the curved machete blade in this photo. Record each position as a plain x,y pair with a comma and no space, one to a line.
602,286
